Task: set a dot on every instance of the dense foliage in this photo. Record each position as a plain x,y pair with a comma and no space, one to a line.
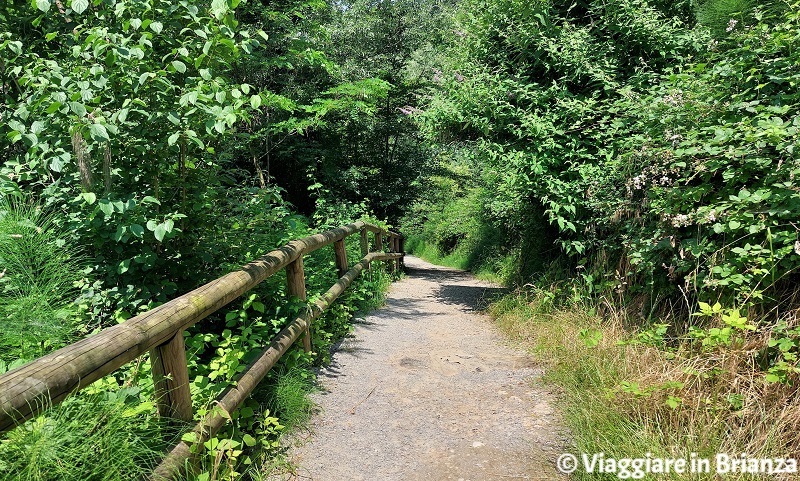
660,157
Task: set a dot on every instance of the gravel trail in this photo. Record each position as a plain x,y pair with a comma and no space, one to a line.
426,389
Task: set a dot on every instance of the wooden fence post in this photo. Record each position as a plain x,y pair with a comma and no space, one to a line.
378,241
364,242
392,263
296,284
398,242
340,250
171,379
402,250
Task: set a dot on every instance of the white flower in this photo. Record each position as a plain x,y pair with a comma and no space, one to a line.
731,25
797,247
680,220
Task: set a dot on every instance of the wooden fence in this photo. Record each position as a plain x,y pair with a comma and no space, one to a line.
26,390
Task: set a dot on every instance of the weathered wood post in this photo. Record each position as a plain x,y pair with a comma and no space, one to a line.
364,242
341,257
171,379
402,251
379,241
397,248
296,284
392,263
365,245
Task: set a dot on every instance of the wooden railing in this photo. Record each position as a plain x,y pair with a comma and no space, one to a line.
46,381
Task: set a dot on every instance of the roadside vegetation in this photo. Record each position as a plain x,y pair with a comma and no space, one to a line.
630,168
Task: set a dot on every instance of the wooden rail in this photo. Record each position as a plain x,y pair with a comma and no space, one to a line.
26,390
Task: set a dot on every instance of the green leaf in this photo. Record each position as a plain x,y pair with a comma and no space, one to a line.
157,27
219,8
106,207
89,197
78,6
15,47
173,138
43,5
78,108
160,232
98,132
57,164
119,234
137,230
124,266
734,224
151,225
673,402
179,66
249,440
255,101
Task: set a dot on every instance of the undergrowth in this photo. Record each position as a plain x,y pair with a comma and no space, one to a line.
39,266
103,437
630,391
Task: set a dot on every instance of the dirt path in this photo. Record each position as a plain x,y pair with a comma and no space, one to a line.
425,389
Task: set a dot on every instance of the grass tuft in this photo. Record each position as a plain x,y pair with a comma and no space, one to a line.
288,397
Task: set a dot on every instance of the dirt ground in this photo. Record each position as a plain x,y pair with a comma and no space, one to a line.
426,389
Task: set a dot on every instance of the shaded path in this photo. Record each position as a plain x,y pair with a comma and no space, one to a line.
425,389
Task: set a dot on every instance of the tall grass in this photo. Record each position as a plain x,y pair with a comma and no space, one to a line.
38,269
94,437
287,397
626,399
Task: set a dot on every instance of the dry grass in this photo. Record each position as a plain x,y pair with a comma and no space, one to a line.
616,393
